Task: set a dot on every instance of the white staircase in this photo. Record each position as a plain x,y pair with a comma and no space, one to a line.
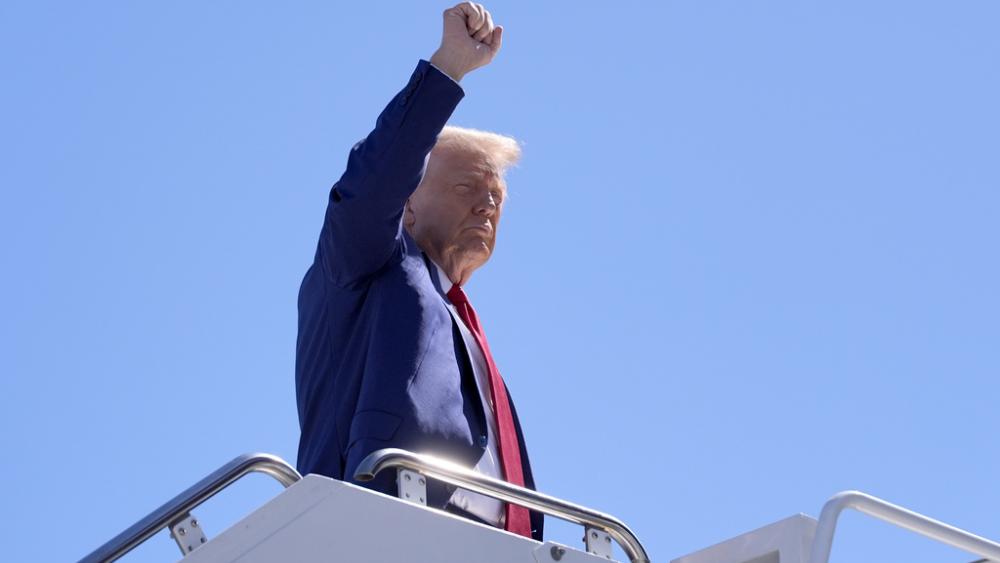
317,519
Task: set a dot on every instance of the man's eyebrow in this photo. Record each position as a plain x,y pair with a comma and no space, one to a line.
484,174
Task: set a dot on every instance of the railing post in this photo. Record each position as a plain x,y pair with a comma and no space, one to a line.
466,478
893,514
173,513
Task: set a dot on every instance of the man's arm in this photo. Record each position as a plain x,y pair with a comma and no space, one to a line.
362,229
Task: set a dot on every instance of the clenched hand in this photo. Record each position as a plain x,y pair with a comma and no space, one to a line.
469,40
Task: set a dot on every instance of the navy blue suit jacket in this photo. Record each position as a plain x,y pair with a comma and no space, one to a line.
379,360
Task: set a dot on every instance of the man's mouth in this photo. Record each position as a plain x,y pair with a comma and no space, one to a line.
486,228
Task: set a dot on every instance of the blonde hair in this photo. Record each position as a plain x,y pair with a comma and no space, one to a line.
502,150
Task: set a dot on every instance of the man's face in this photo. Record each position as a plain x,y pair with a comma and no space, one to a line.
454,213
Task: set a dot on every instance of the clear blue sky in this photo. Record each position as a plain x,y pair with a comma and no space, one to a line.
750,257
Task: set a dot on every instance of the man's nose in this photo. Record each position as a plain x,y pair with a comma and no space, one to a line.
486,206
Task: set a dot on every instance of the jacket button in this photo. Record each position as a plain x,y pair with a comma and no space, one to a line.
482,441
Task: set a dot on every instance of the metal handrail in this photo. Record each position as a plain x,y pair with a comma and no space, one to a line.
899,516
465,478
190,498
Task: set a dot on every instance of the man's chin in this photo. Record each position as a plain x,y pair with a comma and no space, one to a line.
477,244
477,251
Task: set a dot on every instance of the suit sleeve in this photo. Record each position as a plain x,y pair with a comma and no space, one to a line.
362,229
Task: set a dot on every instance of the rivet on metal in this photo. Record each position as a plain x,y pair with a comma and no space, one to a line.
557,552
411,486
187,532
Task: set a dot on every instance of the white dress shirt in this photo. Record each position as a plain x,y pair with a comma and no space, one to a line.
488,509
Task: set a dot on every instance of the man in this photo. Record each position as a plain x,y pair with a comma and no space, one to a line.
390,353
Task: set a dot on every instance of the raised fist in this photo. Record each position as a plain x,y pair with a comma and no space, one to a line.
469,40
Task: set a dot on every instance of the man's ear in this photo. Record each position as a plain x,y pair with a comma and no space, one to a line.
409,218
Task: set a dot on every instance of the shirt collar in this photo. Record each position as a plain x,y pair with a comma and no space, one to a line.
443,280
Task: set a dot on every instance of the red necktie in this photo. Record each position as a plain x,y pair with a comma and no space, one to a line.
518,520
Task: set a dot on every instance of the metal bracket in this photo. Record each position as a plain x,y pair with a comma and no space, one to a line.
412,486
551,552
187,532
598,542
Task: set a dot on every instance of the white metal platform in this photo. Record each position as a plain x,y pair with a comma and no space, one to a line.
320,520
785,541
